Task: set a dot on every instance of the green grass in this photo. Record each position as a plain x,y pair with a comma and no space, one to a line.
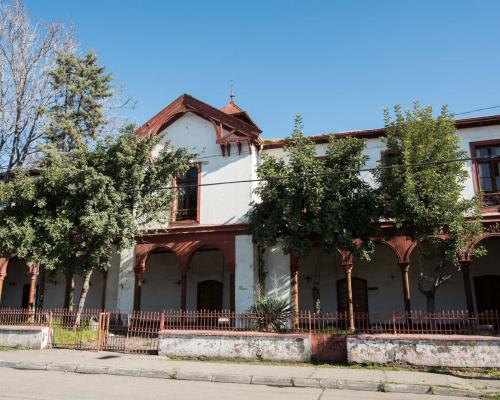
68,336
17,347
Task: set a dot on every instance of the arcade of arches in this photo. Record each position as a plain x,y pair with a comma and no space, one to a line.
192,270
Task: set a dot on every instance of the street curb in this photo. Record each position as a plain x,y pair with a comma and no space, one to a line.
244,379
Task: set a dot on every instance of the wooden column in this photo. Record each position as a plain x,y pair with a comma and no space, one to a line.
184,271
3,273
139,271
294,284
465,267
346,263
104,288
33,274
404,266
2,277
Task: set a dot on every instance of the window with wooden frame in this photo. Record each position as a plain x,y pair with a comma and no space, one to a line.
487,170
187,204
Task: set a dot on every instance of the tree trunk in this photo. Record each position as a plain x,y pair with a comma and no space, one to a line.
41,288
83,296
69,295
430,297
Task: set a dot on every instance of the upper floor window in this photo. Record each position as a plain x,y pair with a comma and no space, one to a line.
488,171
187,195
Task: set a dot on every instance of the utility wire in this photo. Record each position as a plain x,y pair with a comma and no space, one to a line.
201,157
352,171
477,109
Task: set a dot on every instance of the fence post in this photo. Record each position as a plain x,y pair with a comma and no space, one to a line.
310,325
99,329
394,331
49,324
162,320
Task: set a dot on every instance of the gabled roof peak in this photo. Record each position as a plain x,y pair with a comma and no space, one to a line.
238,122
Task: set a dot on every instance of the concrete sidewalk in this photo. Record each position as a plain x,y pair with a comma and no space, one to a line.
88,362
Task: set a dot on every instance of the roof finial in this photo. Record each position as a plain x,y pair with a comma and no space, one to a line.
231,93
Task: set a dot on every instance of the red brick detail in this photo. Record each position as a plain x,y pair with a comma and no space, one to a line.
327,347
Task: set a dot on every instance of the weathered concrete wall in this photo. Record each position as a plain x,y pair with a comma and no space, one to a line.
29,337
235,345
435,350
329,348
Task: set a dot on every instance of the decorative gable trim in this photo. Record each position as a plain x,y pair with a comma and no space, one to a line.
238,130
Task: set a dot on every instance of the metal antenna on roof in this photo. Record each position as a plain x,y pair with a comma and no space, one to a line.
231,93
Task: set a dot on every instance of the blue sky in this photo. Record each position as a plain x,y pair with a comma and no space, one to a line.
338,63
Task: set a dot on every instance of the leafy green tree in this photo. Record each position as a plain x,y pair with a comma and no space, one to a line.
111,195
81,87
288,209
423,190
92,190
306,201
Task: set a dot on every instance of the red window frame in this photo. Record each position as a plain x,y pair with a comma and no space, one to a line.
491,199
187,181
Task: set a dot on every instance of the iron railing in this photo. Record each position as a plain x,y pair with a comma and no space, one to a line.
137,332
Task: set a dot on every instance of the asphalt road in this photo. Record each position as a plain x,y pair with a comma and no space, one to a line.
23,384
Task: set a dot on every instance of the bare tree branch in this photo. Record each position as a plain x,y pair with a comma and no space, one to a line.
27,53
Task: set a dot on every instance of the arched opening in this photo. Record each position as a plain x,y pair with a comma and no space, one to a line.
161,281
485,275
384,289
359,296
16,285
208,280
318,273
430,271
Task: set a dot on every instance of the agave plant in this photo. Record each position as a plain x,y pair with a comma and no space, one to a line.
272,314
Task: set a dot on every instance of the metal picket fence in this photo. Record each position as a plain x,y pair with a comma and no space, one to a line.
137,332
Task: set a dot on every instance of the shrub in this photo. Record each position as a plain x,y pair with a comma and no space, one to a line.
272,314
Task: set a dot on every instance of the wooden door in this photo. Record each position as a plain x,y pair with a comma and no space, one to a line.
359,295
210,295
487,289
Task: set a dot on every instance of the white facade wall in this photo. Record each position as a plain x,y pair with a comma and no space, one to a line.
228,204
277,267
161,285
244,273
126,280
220,204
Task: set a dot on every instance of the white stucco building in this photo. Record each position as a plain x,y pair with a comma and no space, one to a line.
205,259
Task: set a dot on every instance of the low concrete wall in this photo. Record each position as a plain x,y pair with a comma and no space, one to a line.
329,348
235,345
426,350
28,337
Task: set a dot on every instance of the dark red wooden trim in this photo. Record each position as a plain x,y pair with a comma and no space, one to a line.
186,103
473,146
198,195
380,132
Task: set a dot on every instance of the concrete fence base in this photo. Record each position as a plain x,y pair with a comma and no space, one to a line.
235,345
428,350
28,337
